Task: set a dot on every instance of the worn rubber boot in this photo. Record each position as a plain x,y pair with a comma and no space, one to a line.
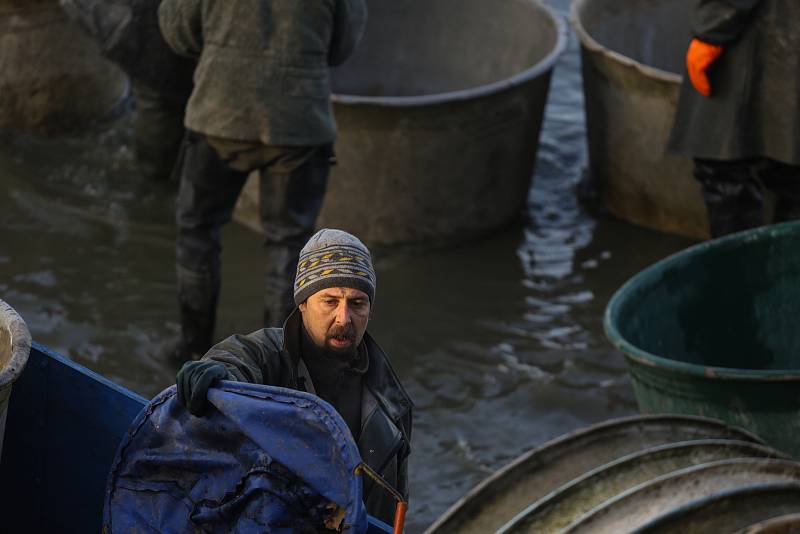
158,128
783,181
206,197
197,297
291,193
787,207
733,198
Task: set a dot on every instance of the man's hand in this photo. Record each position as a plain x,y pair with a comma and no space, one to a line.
699,58
193,381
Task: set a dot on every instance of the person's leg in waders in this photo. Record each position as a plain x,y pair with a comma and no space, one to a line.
206,198
783,181
732,196
126,32
292,190
159,131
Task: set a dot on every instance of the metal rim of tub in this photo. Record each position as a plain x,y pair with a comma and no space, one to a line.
646,277
591,44
20,343
540,67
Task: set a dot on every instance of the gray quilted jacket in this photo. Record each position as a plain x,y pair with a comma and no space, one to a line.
263,65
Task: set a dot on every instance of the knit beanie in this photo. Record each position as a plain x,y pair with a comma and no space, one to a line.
333,258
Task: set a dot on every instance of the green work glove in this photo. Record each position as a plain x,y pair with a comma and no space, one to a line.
193,381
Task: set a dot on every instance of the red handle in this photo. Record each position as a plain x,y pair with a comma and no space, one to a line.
400,517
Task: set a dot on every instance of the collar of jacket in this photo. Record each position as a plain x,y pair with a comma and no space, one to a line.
380,378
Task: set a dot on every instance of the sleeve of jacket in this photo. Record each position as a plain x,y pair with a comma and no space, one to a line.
251,358
721,21
349,20
181,25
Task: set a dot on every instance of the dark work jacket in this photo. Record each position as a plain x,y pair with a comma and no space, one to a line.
262,72
754,109
272,356
127,33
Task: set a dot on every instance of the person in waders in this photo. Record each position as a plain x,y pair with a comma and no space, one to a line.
738,113
324,349
127,34
261,102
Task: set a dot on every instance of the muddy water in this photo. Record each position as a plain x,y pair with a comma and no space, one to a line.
499,342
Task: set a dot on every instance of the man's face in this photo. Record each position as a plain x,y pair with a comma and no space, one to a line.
336,319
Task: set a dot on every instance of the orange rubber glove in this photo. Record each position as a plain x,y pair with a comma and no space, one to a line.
699,58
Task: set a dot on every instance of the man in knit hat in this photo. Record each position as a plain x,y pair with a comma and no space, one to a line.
324,349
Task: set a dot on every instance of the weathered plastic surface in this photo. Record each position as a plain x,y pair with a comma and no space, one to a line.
632,62
785,524
15,345
712,331
52,77
262,458
729,510
562,507
668,493
439,112
499,498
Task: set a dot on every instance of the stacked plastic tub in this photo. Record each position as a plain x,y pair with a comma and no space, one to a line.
664,473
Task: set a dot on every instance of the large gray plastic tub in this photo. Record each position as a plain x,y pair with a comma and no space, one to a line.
439,113
632,58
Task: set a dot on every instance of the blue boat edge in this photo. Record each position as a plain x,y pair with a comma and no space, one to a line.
64,425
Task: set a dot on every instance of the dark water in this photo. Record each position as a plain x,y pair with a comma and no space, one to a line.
500,342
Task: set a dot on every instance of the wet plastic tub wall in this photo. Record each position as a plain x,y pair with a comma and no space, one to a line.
713,331
52,76
439,112
632,63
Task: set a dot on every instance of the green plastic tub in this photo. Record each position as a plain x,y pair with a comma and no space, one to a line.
714,330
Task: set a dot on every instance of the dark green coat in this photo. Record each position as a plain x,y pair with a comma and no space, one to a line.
754,109
272,356
262,72
127,33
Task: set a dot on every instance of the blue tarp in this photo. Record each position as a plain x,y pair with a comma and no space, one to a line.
263,459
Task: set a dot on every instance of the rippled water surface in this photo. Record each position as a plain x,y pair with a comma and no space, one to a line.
499,342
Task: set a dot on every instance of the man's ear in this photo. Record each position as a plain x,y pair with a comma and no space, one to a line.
302,306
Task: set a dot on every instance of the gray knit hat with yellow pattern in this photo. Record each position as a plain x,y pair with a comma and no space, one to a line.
333,258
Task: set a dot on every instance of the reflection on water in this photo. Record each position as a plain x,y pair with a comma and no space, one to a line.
500,342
